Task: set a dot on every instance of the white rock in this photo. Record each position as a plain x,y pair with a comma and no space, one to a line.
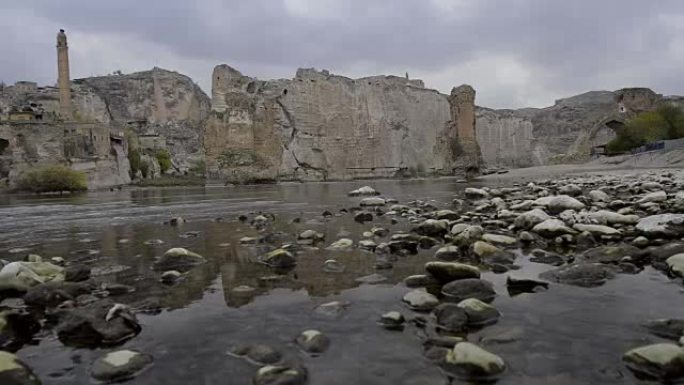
676,264
552,228
470,360
597,229
656,196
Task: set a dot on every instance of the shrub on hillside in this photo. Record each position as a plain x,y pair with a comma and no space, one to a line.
666,122
56,178
164,160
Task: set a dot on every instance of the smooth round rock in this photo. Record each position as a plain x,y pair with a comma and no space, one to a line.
451,317
457,291
450,271
392,320
420,300
120,365
479,313
470,361
14,372
313,341
664,361
280,375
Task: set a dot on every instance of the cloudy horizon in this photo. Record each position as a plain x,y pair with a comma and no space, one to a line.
521,53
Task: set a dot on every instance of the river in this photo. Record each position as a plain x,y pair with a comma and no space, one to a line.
565,335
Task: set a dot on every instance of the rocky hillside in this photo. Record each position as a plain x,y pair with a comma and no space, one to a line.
319,126
165,107
562,133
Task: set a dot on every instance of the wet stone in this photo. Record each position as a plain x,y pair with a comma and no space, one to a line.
450,317
313,341
15,372
392,320
333,266
420,280
280,375
479,313
371,279
581,274
469,361
170,277
664,361
450,271
332,309
178,258
420,300
120,365
670,328
279,258
459,290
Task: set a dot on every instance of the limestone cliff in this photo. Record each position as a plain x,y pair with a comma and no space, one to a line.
319,126
562,133
164,108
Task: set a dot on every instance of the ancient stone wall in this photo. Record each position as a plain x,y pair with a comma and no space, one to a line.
157,102
85,147
319,126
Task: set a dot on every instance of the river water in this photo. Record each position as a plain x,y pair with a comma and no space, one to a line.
565,335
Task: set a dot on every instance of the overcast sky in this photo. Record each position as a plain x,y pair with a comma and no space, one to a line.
515,53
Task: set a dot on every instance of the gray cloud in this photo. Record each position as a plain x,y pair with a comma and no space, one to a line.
515,53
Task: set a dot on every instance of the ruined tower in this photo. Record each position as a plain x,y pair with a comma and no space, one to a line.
63,81
462,106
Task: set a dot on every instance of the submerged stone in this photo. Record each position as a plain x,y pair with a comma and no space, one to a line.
120,365
450,271
664,361
313,341
457,291
178,258
14,372
469,361
420,300
280,375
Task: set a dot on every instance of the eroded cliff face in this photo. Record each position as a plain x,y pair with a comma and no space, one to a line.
165,107
319,126
562,133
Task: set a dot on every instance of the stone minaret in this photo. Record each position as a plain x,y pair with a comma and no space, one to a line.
462,106
63,76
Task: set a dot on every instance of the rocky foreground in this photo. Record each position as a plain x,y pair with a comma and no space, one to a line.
587,229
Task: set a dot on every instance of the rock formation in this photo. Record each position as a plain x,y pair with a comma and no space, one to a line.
162,110
319,126
165,109
562,133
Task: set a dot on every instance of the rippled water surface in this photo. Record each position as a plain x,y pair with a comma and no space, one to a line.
565,335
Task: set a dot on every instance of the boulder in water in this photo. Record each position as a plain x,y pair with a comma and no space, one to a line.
120,365
178,258
14,372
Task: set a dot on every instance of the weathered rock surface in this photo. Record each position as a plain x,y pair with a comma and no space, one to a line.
319,126
120,365
14,372
472,362
562,133
659,361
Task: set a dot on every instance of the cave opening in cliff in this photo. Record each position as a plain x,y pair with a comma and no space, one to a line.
615,125
4,145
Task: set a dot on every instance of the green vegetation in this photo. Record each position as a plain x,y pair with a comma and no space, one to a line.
56,178
199,168
666,122
133,152
164,160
